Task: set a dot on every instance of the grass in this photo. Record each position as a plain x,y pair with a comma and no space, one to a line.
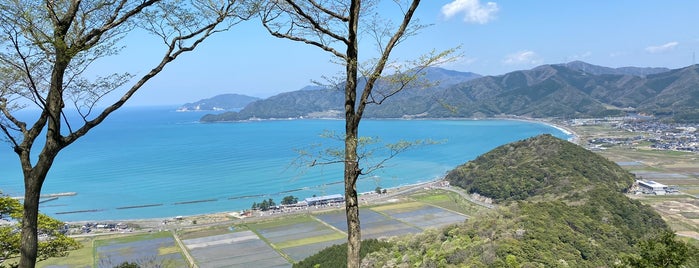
691,191
310,240
77,258
400,207
282,221
84,257
128,251
447,200
206,232
169,250
690,215
130,238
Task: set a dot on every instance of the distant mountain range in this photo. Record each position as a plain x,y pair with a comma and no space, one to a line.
224,102
571,90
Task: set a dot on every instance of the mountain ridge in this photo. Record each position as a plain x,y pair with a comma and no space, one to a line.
572,90
223,102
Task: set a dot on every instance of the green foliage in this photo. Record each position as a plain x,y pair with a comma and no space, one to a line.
127,265
530,234
290,199
537,166
56,244
565,209
545,91
336,255
663,250
264,205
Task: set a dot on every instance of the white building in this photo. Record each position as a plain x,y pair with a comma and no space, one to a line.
322,200
652,187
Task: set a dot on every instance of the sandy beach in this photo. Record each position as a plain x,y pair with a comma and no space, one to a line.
234,217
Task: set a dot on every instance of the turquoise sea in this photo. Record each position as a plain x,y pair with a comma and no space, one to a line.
155,162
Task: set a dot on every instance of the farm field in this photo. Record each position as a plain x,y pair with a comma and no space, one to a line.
151,249
239,249
672,168
266,241
278,241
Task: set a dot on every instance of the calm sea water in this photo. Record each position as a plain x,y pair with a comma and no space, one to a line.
155,162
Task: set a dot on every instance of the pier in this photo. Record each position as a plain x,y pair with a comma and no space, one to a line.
56,195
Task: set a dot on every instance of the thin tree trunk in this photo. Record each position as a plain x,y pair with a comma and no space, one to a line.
352,171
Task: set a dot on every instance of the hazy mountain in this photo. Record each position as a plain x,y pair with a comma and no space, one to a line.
315,101
223,102
446,78
571,90
559,91
599,70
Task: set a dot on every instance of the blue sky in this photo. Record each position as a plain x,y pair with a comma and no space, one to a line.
496,37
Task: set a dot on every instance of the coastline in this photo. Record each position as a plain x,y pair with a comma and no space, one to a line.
546,122
575,138
231,217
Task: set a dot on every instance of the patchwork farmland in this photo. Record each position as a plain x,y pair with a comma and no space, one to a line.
273,242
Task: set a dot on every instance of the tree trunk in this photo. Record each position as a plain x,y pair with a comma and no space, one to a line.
29,243
34,176
33,181
352,171
30,218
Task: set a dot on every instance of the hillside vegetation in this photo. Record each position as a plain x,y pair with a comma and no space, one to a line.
571,90
559,206
538,166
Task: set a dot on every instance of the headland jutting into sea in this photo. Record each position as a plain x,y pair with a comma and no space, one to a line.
167,164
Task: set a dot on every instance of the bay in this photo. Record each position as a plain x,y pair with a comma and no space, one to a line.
152,162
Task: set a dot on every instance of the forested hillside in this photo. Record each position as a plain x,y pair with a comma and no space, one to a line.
559,206
572,90
538,166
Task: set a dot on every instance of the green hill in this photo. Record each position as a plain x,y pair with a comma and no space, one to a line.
559,206
538,166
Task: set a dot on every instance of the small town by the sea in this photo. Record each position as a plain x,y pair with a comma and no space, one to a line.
348,133
287,228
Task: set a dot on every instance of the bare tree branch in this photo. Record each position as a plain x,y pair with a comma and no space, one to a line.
376,74
50,46
317,24
267,17
333,14
175,49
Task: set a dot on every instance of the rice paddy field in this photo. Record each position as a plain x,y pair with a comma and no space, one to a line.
272,242
673,168
281,241
152,250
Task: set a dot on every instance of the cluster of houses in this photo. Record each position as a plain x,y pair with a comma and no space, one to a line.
103,227
310,202
660,135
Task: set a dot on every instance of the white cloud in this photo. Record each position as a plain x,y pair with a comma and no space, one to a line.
472,9
522,57
662,48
